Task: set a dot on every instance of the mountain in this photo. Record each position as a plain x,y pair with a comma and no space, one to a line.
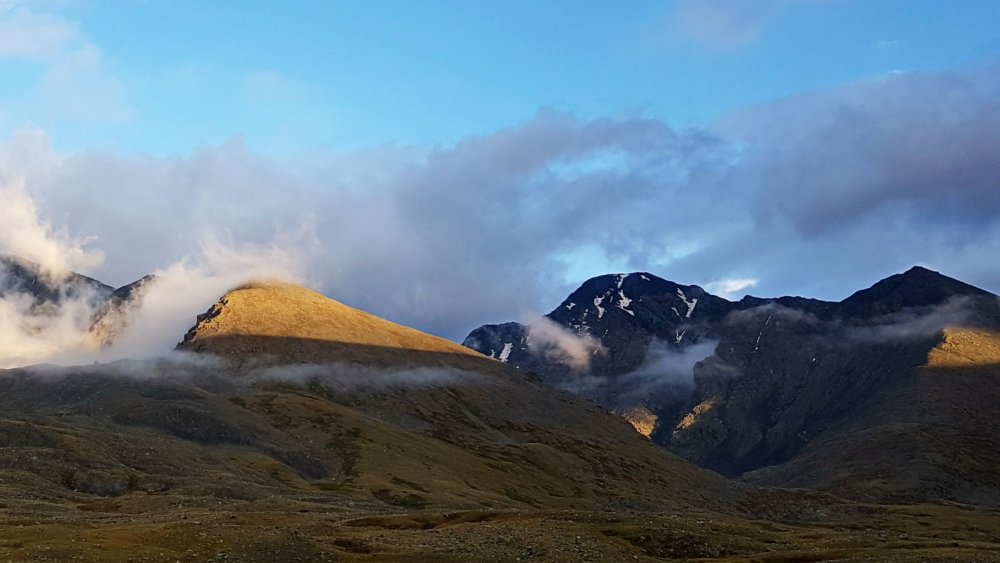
286,323
292,427
755,388
622,315
24,277
39,294
110,320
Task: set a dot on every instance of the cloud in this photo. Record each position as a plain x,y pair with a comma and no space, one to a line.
722,24
187,288
24,233
442,239
76,87
29,334
917,322
920,143
666,373
555,342
28,36
73,87
666,366
815,195
32,331
730,288
344,378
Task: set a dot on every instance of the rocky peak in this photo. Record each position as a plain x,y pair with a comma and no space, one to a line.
916,287
18,275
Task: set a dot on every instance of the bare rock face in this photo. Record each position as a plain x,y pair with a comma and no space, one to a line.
111,320
641,418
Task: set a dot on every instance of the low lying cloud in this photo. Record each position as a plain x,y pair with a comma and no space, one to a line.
24,233
668,366
917,322
773,312
187,288
344,378
31,334
559,344
666,373
60,331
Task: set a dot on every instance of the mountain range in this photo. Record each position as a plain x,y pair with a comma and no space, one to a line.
866,397
289,426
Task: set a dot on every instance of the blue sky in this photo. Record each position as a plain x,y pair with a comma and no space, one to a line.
448,164
303,75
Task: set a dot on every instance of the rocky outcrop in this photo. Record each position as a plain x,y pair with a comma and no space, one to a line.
111,319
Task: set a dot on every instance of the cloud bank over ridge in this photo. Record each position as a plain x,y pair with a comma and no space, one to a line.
815,194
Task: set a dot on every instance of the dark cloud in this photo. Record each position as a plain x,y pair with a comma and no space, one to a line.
919,145
818,194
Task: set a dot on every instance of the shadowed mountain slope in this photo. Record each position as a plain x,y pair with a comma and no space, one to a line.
930,435
834,383
24,277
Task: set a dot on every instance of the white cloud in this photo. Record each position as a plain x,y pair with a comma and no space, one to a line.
559,344
856,182
24,233
187,288
730,287
74,85
25,35
60,332
722,24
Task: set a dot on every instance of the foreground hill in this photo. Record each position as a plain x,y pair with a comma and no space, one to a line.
440,408
836,396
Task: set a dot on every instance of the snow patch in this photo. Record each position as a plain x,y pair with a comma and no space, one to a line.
621,278
644,277
597,303
756,345
505,353
570,306
678,336
690,304
624,302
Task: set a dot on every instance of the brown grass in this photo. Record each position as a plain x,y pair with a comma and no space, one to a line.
288,311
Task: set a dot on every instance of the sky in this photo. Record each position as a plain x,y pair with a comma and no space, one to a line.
450,164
